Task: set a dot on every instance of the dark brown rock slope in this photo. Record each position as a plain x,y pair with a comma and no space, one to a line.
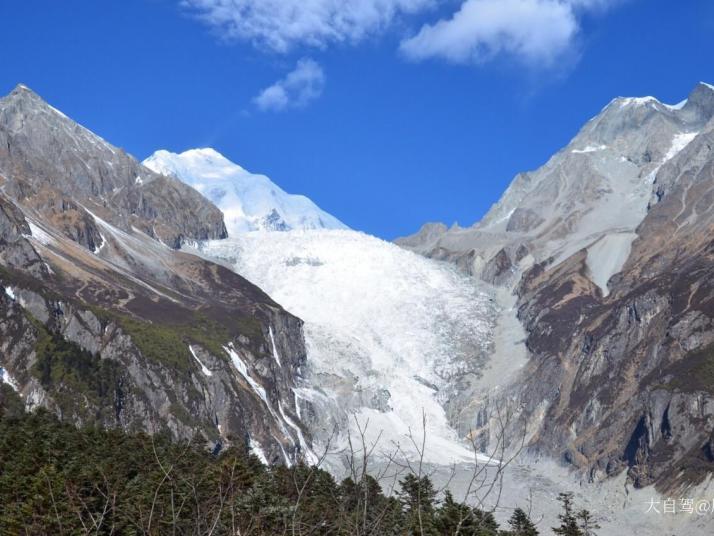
630,376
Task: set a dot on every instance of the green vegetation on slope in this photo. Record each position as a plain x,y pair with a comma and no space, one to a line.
167,343
71,373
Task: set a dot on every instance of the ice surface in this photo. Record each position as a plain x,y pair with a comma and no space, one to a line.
386,330
248,201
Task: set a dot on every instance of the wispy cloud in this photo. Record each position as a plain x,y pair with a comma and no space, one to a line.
536,32
281,25
302,85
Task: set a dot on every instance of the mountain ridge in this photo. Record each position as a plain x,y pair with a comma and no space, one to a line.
56,164
250,202
615,165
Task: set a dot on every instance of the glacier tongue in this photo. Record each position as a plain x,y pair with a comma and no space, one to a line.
389,333
249,202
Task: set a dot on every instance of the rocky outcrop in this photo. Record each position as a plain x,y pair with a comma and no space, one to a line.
103,323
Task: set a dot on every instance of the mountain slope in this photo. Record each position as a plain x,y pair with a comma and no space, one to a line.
104,323
635,369
592,193
249,202
55,165
608,249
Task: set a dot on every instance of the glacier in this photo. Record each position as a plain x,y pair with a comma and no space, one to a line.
389,333
393,338
249,202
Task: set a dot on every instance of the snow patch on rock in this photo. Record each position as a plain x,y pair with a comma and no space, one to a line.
589,149
9,380
204,369
240,365
257,450
274,348
679,143
39,234
99,248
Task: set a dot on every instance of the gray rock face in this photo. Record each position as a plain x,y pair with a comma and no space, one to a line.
15,251
523,220
102,323
599,185
58,168
609,250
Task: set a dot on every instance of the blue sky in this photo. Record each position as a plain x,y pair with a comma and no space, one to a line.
397,112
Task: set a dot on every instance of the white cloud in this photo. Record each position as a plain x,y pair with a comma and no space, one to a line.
301,86
532,29
281,25
536,32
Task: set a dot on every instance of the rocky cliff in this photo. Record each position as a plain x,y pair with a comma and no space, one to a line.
103,322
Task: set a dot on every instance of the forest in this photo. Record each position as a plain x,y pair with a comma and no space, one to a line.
58,479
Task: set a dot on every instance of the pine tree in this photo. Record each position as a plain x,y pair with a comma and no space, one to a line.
568,521
458,519
587,524
486,523
418,497
366,510
455,518
521,524
59,479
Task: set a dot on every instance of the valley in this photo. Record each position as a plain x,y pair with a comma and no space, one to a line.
565,339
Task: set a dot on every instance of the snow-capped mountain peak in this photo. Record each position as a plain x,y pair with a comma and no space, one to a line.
249,201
